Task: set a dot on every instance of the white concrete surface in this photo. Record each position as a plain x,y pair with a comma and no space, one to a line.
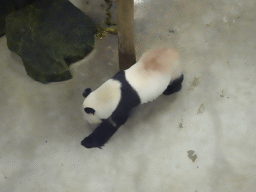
202,139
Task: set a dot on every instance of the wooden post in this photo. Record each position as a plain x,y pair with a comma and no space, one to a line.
126,45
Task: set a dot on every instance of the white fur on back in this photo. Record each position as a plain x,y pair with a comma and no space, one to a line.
103,100
151,75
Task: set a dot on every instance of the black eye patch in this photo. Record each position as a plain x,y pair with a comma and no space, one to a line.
89,110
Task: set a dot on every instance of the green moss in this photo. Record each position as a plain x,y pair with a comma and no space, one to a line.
111,30
108,19
100,31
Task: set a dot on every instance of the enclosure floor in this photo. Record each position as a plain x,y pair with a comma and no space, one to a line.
201,139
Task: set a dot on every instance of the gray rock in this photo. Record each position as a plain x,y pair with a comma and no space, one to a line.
21,3
49,35
6,6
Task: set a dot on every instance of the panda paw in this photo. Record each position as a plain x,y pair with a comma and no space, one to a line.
175,86
87,92
88,142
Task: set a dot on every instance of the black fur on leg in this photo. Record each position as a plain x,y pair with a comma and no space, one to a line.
100,135
87,92
106,129
175,86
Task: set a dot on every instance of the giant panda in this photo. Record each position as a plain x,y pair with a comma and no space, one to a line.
157,72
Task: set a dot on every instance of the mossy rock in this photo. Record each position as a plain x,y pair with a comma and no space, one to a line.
6,7
49,35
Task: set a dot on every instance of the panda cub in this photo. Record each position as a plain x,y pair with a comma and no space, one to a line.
157,72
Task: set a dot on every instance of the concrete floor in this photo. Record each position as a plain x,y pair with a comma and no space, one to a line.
202,139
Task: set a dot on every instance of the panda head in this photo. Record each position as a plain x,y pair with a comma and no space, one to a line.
90,110
91,115
100,104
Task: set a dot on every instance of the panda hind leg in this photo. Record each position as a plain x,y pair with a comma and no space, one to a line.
175,86
87,92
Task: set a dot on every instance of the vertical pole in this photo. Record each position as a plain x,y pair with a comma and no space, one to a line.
126,44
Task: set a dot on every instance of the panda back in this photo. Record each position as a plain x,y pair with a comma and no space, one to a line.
151,75
148,85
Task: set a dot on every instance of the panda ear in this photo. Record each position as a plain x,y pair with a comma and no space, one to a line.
87,92
89,110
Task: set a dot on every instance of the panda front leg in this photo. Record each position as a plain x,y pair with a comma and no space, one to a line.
175,86
105,131
87,92
100,135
